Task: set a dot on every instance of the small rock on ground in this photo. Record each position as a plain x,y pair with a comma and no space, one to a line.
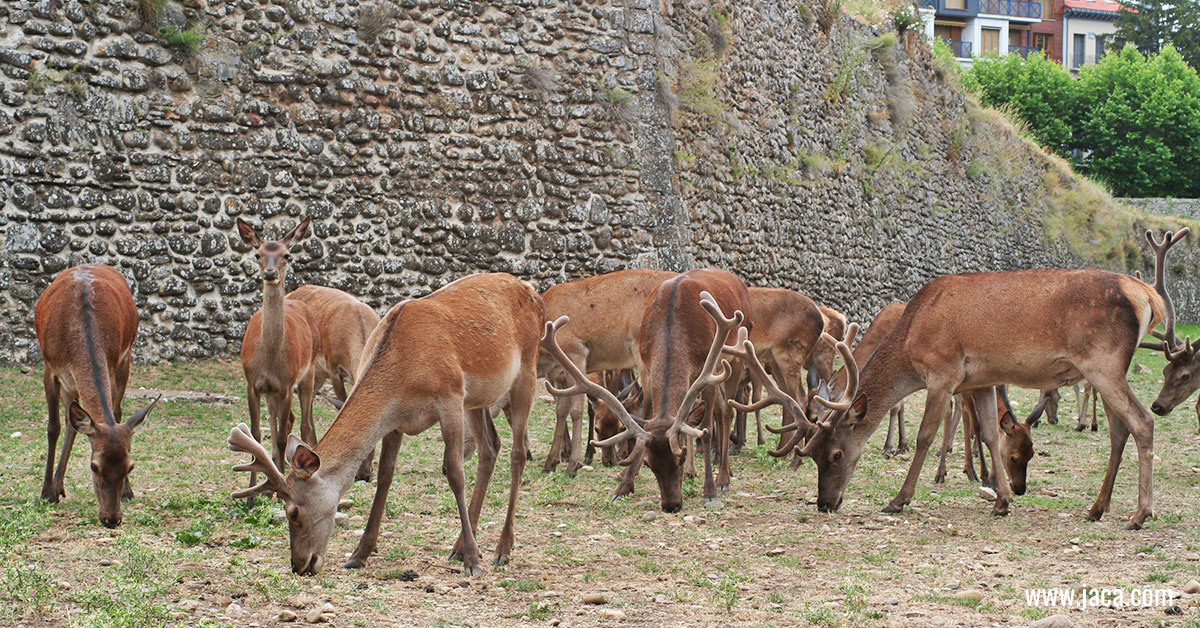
286,615
649,515
315,616
1053,621
594,598
1191,587
970,595
715,504
612,613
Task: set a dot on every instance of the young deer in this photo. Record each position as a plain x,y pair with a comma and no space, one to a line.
678,371
343,323
948,341
437,360
280,346
606,311
1015,438
86,322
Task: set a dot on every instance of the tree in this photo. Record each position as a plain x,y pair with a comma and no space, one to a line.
1152,24
1139,123
1038,90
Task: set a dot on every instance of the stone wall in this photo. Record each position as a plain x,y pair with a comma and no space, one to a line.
1186,207
433,139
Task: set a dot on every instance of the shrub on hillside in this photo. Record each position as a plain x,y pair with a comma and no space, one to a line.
1038,90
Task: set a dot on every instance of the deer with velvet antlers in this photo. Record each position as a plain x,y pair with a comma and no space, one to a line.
438,360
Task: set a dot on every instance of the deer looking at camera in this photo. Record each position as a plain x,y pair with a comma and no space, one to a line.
86,322
680,371
948,342
438,360
280,346
606,312
343,324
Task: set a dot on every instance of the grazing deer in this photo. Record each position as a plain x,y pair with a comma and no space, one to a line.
343,323
86,322
437,360
1181,375
280,346
1015,436
679,372
606,311
970,332
787,326
604,423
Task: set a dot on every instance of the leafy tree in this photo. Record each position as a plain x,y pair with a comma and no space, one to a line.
1040,91
1152,24
1140,119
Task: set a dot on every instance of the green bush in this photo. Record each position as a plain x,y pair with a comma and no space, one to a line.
1040,91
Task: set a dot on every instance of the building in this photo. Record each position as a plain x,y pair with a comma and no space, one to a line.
976,28
1079,31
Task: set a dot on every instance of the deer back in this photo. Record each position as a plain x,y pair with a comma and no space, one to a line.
344,323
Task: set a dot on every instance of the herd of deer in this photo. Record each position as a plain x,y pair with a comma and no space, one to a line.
699,341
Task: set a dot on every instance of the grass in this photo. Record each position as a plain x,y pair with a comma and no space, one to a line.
188,41
186,550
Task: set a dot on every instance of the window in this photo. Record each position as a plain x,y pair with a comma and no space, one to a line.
1099,46
1043,42
1078,48
989,41
956,4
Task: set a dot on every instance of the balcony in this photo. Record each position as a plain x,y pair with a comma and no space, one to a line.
1012,8
929,4
961,49
1024,51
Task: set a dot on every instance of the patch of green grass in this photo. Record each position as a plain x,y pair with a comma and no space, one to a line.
188,40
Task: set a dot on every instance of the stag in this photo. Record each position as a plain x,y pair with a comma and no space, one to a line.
86,322
948,342
438,360
606,311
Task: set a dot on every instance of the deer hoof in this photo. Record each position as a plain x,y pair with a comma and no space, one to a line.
472,571
1095,513
354,563
940,478
1133,525
1000,510
892,509
500,561
1095,428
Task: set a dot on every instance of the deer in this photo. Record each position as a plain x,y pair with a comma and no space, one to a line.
86,322
947,342
606,310
824,355
280,346
787,326
1015,436
1180,375
603,423
679,373
437,360
343,323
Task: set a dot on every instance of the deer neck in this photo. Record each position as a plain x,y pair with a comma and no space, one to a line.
273,322
354,433
886,380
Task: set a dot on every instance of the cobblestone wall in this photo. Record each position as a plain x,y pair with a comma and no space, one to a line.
432,139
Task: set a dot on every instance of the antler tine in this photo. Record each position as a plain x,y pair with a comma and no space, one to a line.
1171,341
843,348
585,385
709,375
241,440
772,394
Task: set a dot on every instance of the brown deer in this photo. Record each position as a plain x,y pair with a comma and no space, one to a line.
823,355
343,323
1181,375
679,372
604,422
280,346
787,326
1015,436
437,360
86,322
948,342
606,311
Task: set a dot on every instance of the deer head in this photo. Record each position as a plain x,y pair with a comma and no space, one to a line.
1179,375
1016,439
111,459
661,443
273,255
310,499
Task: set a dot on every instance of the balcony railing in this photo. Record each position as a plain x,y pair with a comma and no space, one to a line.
1014,8
929,4
961,49
1024,51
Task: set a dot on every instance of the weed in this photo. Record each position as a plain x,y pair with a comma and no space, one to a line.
828,13
188,41
149,10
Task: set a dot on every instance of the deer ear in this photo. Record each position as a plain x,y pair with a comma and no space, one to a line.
305,462
248,234
139,417
298,233
1008,423
81,421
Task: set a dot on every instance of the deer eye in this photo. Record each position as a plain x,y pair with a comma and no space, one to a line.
836,455
95,468
287,256
1183,377
293,515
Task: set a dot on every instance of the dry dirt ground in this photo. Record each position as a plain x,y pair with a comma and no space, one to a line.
188,555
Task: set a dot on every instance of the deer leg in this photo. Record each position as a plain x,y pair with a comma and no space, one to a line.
254,405
308,429
968,421
576,458
937,405
722,417
987,420
370,535
590,453
902,446
1081,424
755,395
1052,406
1096,410
562,410
483,429
60,473
1118,435
985,476
1122,406
452,468
339,387
738,438
519,405
53,428
949,431
625,485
